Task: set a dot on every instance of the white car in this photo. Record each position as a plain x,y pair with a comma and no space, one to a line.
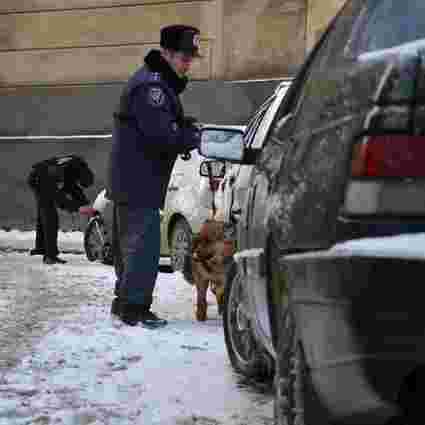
187,205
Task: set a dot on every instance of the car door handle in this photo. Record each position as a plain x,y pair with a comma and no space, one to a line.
237,211
172,188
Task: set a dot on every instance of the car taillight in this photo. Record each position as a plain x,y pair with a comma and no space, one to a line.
389,156
387,177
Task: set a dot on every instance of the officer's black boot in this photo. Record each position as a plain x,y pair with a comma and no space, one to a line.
151,320
129,313
53,260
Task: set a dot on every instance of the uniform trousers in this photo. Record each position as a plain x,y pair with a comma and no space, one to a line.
136,246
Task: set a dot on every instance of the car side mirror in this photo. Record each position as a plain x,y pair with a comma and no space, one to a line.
222,143
212,169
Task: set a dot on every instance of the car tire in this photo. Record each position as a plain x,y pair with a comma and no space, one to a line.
246,356
292,382
181,248
97,245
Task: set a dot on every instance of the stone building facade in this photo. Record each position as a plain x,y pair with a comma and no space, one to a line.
54,42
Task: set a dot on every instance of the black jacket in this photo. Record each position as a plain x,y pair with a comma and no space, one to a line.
62,179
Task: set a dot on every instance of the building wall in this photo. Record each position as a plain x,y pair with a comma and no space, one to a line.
75,41
263,38
81,41
59,42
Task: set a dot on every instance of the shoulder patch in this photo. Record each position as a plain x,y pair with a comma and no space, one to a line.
154,77
156,96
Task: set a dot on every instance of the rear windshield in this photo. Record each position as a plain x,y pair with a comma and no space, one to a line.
384,24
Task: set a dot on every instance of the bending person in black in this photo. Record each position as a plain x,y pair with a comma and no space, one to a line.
57,183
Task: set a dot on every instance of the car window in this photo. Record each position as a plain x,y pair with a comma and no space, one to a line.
264,126
324,75
385,24
287,107
250,129
256,120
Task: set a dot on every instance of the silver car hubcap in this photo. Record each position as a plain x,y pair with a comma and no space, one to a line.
96,241
240,324
180,249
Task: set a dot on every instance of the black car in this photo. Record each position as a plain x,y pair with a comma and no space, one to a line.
331,231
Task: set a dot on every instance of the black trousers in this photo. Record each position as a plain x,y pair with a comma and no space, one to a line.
46,236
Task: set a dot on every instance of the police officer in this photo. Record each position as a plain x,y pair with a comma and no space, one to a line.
150,130
57,182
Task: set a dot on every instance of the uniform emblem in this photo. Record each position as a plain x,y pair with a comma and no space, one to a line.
156,76
156,96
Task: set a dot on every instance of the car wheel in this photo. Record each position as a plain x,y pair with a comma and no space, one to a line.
246,356
181,248
292,384
96,242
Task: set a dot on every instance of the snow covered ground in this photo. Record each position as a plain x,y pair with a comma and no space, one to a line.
63,360
71,364
20,241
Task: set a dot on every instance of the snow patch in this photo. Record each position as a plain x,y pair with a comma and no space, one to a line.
91,369
25,240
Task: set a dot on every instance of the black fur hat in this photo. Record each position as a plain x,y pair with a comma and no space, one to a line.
181,38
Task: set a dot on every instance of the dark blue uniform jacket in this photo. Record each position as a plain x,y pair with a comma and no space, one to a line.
149,133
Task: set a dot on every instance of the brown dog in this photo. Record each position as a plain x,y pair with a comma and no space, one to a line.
208,248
